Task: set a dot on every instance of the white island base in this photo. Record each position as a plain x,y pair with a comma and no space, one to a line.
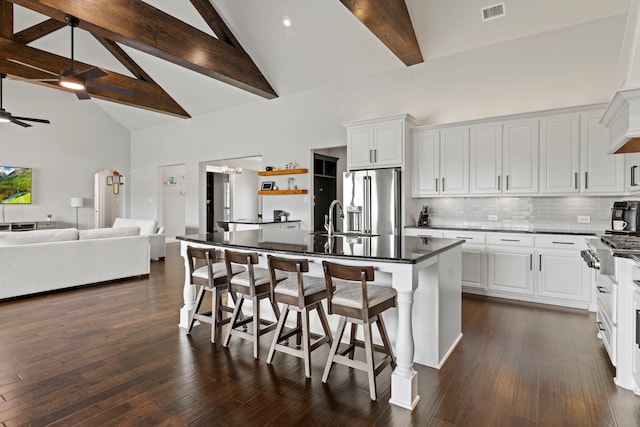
425,327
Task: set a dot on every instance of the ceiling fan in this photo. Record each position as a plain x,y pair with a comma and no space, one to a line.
6,117
78,82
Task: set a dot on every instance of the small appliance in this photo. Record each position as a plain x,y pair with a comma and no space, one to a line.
280,215
423,218
625,217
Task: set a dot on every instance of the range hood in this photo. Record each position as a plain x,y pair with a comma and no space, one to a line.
622,116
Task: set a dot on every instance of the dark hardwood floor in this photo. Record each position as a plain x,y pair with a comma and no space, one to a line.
113,355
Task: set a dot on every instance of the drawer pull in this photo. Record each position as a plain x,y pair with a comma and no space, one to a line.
509,240
601,327
563,243
462,237
601,289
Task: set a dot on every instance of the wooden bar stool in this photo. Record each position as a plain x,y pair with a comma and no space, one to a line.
300,293
359,304
253,283
211,277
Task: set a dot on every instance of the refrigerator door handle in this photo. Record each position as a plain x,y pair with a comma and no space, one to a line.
367,204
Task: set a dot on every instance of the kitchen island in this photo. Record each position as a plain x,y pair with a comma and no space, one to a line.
426,273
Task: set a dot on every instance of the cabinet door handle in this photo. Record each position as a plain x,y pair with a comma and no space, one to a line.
586,180
638,328
540,263
576,178
436,185
563,243
633,175
601,327
530,262
375,155
443,190
498,182
370,156
507,183
601,289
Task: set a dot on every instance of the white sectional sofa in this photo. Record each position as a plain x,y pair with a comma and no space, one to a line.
44,260
148,227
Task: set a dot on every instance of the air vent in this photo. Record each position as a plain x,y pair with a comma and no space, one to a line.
492,12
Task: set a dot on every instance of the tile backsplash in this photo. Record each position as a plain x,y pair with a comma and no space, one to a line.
554,213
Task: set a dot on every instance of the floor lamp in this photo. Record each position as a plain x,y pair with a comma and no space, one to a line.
76,202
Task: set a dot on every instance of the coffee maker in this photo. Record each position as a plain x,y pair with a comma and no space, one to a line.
625,213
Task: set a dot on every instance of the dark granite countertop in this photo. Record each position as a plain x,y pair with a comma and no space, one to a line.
257,221
386,248
532,230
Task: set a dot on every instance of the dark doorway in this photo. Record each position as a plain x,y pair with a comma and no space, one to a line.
210,204
324,187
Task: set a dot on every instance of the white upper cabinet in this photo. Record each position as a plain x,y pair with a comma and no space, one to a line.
454,161
602,173
376,143
486,159
504,158
426,163
520,161
560,154
440,162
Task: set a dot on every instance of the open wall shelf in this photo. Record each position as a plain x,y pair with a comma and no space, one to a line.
276,192
282,172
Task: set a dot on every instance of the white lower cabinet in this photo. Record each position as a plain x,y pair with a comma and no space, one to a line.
562,274
474,262
544,268
510,269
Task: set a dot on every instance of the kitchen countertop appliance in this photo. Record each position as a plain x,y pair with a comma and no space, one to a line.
625,213
280,215
371,201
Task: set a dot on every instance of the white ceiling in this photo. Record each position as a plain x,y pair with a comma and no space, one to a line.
326,45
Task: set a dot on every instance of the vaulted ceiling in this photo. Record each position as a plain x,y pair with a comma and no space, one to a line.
185,58
141,26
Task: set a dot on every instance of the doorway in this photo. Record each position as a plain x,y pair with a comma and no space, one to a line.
328,166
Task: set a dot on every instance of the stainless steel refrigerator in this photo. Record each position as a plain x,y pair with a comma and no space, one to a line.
371,201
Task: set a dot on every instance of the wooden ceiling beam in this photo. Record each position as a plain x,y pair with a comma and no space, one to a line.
146,95
139,25
124,59
215,22
37,31
6,19
390,22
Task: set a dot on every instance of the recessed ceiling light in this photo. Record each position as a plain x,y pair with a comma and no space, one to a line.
286,21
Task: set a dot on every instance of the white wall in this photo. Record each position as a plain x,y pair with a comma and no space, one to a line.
244,195
171,216
572,66
65,155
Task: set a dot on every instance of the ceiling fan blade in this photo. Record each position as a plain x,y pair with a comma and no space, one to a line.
120,90
90,74
33,66
18,122
82,94
33,80
33,120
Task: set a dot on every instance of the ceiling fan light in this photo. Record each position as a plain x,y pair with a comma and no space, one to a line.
72,83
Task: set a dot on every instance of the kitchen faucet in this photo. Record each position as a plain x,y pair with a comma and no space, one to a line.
329,223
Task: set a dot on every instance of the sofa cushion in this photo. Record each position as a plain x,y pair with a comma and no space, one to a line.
37,236
105,233
147,226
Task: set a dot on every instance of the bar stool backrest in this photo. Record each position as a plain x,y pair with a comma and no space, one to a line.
209,255
290,265
356,273
244,258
